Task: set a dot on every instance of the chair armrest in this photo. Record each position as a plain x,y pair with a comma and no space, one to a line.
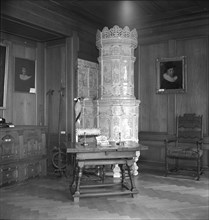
170,139
199,144
167,141
200,141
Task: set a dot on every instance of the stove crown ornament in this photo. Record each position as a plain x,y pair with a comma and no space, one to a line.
116,34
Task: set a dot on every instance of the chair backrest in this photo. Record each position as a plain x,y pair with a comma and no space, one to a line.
189,128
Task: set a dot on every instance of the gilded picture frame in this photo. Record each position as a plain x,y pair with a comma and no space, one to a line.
171,75
4,65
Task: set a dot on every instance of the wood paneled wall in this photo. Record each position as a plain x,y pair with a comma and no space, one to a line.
58,61
55,79
153,111
24,108
87,46
24,104
158,111
56,65
196,98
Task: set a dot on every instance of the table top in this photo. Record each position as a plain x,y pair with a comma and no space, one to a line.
93,147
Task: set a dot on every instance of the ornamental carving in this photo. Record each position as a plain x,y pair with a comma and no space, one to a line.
115,35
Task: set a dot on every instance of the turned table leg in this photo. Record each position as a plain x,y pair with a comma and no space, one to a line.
74,180
77,190
122,174
133,187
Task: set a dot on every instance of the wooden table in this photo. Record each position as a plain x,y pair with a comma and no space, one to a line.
123,155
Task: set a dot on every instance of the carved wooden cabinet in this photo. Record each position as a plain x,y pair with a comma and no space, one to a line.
22,153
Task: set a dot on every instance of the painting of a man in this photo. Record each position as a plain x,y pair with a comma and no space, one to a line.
171,75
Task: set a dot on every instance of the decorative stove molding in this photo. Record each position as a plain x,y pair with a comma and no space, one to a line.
117,106
116,35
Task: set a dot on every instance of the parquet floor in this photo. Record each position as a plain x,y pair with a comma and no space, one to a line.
159,197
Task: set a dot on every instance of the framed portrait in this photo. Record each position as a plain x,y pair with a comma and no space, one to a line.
4,59
171,75
24,75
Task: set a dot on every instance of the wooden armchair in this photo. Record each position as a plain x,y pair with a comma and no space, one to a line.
186,145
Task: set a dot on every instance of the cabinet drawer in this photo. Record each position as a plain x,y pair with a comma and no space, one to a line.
33,170
32,143
8,175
